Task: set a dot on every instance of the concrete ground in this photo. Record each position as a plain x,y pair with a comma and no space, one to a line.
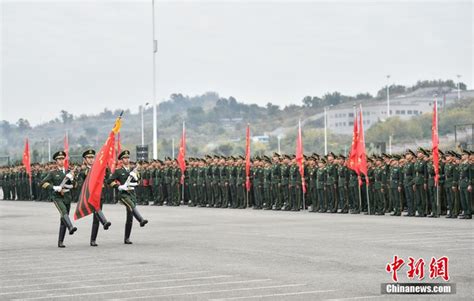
224,254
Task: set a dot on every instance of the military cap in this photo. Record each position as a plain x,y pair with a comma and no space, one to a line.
409,151
455,154
441,152
332,154
466,152
242,157
287,156
423,151
124,154
276,154
323,160
159,161
89,152
59,155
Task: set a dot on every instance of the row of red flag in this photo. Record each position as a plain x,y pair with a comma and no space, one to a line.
108,154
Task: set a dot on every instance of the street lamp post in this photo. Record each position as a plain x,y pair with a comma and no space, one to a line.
325,130
142,108
155,49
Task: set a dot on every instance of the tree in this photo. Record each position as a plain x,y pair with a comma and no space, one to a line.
272,109
312,102
308,101
66,117
366,95
23,124
196,115
332,98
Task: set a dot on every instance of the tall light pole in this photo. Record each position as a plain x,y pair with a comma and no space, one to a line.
459,86
388,96
325,130
155,49
142,108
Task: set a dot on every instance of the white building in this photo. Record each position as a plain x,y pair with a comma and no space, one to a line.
341,118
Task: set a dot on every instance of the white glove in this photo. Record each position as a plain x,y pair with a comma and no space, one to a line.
134,175
133,184
123,187
57,188
70,176
68,186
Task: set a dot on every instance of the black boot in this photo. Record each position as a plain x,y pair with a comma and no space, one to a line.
103,220
62,233
139,218
128,230
68,223
95,230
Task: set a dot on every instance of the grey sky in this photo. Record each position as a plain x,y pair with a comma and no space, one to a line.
83,56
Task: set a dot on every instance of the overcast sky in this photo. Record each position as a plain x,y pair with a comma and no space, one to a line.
83,56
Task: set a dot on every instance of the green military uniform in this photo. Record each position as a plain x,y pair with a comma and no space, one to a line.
419,182
61,195
120,179
395,184
342,182
465,180
407,172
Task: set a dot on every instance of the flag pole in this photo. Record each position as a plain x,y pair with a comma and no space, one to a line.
361,130
360,193
302,166
368,198
438,201
184,151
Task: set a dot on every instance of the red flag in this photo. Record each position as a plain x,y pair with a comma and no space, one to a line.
247,159
89,200
119,149
26,158
435,142
299,156
182,154
66,150
361,153
112,164
353,159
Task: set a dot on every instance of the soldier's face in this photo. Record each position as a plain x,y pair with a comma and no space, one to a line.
89,160
60,162
126,161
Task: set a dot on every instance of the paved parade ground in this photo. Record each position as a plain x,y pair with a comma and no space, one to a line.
223,254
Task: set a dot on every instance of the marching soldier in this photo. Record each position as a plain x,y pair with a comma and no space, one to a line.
60,181
98,216
126,180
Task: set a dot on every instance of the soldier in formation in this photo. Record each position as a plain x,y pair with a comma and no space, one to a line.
400,183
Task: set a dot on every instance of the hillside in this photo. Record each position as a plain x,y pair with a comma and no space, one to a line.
216,125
